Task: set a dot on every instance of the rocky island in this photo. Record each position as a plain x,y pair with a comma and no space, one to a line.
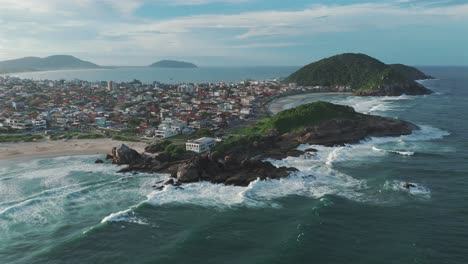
172,64
364,75
240,158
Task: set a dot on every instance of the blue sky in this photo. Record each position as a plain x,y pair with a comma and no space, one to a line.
236,32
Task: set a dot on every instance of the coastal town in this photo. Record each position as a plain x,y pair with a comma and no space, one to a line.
135,110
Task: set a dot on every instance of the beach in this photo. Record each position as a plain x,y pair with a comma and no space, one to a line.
280,104
72,147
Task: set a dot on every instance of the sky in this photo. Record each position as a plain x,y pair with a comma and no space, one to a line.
236,32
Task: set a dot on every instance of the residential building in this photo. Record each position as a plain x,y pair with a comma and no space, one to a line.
200,145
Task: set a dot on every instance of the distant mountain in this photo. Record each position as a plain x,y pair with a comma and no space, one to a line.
173,64
55,62
364,74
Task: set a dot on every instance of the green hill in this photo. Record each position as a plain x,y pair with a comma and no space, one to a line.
55,62
305,116
172,64
364,74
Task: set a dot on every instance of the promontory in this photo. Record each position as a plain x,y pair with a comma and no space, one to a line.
364,75
240,158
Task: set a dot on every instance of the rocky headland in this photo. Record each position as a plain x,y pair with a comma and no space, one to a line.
240,159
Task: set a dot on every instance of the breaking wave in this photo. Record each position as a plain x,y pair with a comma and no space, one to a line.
128,216
419,190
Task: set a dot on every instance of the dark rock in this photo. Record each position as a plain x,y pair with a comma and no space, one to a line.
346,131
294,153
99,161
408,185
311,150
109,157
169,182
188,173
125,155
235,172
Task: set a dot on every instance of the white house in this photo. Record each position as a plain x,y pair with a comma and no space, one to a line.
40,124
169,128
200,145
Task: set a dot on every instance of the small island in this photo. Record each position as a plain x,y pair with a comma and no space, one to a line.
240,158
55,62
362,75
173,64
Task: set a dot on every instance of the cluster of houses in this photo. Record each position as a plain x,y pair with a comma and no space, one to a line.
156,110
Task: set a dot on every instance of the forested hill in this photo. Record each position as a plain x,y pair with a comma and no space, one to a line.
364,74
55,62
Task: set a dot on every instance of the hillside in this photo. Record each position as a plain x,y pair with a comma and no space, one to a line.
364,74
55,62
410,72
305,116
172,64
318,123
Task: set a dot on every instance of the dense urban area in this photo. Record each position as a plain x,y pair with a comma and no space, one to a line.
133,111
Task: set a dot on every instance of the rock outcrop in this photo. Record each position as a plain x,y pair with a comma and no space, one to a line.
125,155
229,171
396,89
348,131
241,160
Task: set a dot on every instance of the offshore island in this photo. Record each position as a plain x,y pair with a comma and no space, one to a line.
217,132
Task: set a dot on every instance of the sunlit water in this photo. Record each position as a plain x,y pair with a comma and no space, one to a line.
148,75
345,205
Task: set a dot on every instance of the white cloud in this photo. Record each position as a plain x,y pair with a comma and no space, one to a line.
31,27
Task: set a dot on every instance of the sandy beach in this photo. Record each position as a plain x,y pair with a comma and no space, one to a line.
281,103
49,148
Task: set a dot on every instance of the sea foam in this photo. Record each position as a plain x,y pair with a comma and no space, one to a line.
128,216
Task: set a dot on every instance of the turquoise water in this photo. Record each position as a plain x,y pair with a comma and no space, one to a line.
148,75
345,206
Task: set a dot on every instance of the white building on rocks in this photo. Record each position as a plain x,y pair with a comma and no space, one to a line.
200,145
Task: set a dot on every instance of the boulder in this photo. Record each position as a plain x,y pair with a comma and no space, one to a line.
125,155
99,161
188,173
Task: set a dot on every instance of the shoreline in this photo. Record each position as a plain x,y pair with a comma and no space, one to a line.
50,149
277,105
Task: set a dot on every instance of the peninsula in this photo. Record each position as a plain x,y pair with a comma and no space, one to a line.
240,158
172,64
361,74
55,62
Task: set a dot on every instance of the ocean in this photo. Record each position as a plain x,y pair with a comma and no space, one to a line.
345,206
148,75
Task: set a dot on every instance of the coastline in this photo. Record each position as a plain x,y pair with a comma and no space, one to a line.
74,147
278,104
